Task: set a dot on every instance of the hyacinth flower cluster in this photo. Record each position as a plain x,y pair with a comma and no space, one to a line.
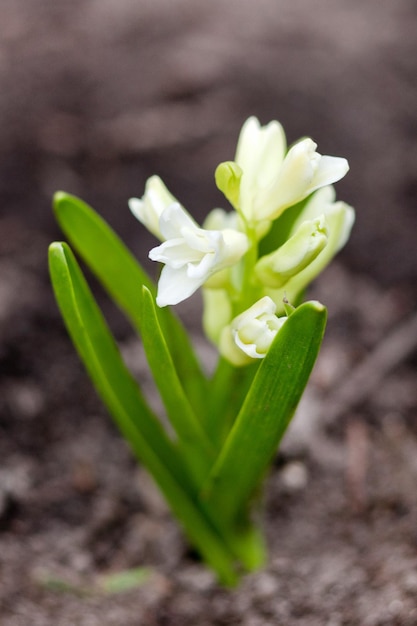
248,261
253,263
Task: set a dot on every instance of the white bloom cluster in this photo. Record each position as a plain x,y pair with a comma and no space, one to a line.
247,260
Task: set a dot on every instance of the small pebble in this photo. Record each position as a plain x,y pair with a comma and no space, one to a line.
294,476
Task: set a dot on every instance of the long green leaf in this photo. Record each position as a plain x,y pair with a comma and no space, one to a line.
193,441
122,396
123,277
267,411
102,359
228,388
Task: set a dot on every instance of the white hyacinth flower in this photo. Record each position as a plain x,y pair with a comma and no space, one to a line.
191,255
265,179
149,208
250,334
302,172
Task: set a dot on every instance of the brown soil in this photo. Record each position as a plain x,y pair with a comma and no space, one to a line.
96,96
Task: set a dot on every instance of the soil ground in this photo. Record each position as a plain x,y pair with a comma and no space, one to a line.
98,95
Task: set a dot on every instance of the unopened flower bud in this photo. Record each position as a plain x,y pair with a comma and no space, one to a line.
275,269
227,176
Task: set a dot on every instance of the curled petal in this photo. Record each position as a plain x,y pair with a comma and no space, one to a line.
251,333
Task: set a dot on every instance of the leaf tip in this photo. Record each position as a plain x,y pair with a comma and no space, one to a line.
58,251
318,306
58,198
55,248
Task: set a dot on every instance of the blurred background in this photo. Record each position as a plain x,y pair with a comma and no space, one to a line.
96,96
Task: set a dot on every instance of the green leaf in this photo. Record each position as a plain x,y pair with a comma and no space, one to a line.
102,359
193,441
228,388
122,276
124,400
266,413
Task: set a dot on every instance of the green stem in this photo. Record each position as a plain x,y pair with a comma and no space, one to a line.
249,293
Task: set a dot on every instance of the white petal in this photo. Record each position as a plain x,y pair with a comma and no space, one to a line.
229,350
203,269
175,285
272,152
148,218
219,219
260,153
191,254
149,208
330,170
251,333
246,145
296,175
204,241
174,253
173,219
345,221
262,306
303,171
235,246
136,206
260,148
